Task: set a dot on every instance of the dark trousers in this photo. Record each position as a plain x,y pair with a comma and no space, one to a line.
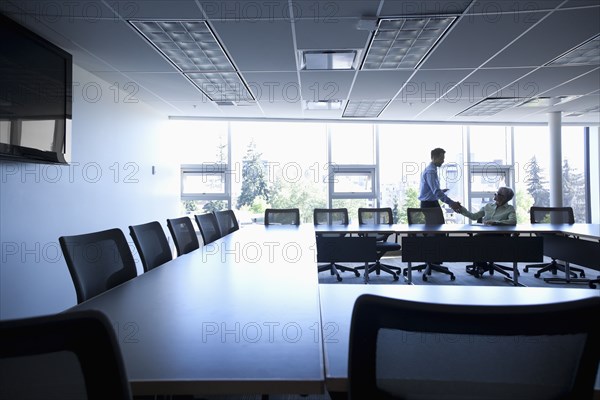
430,204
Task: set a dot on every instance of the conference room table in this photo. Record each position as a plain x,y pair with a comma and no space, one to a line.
239,315
336,311
479,242
246,314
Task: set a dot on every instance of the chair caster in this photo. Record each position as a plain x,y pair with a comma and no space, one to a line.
356,273
452,278
425,277
491,271
537,275
339,278
525,269
592,285
582,274
396,277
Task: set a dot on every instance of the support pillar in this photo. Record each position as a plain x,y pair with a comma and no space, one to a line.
555,168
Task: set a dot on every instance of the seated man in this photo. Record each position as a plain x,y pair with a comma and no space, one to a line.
498,212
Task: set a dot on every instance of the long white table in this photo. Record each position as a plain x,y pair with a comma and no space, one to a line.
337,301
240,315
244,315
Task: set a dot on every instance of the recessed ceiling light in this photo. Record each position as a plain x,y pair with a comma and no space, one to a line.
588,53
491,106
364,108
404,42
328,60
323,105
193,49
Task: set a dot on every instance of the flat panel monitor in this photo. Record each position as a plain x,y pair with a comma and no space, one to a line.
35,96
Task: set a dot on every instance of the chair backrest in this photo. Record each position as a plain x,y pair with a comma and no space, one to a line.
72,355
377,216
551,215
330,216
227,222
380,216
151,243
97,261
209,227
282,216
425,216
184,235
405,349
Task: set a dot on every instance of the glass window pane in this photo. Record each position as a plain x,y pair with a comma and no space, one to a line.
345,182
199,141
203,183
279,165
532,159
490,144
404,151
352,144
573,172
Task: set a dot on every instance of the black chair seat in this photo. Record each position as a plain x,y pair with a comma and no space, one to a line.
427,216
380,216
332,216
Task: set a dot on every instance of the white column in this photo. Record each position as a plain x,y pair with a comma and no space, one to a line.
595,176
555,168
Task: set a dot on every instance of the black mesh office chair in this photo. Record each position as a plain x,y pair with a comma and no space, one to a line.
402,349
184,235
151,243
380,216
427,216
333,216
72,355
346,249
282,216
552,215
227,222
97,261
478,269
209,227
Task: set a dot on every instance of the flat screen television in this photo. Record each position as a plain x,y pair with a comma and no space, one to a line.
35,96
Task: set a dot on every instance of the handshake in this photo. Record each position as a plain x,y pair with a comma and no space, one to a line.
456,206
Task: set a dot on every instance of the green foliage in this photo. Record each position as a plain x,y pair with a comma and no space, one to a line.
574,191
214,205
304,194
190,205
536,185
254,177
523,202
411,200
259,205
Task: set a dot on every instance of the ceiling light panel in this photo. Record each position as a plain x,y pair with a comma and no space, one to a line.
364,108
328,60
404,42
586,54
323,105
491,106
192,48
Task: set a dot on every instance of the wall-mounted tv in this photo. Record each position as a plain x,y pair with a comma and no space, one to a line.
35,96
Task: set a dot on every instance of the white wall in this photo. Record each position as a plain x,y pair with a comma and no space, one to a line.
108,184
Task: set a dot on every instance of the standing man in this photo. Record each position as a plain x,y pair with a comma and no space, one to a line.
430,184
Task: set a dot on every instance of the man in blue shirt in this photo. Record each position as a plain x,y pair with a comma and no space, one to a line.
431,193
